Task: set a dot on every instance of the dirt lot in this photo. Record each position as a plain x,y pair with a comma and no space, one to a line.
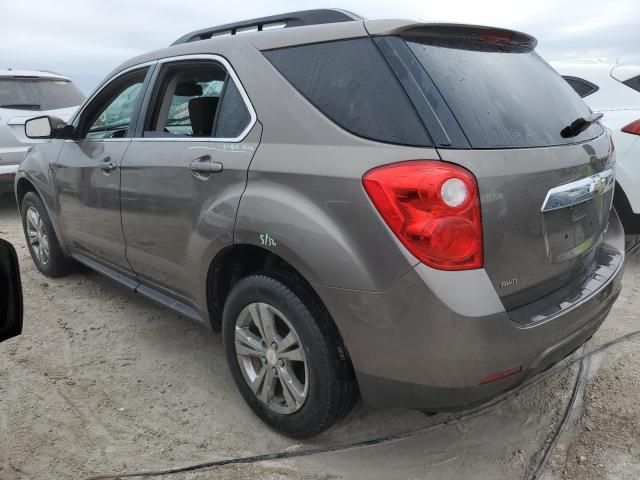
104,381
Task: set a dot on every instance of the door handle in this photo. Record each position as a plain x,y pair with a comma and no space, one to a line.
108,166
205,165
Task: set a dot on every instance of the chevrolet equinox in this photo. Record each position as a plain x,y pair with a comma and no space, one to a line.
419,214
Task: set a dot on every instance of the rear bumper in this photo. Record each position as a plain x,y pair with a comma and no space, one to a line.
431,340
7,177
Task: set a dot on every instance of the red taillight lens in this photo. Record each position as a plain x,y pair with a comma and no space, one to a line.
433,208
633,127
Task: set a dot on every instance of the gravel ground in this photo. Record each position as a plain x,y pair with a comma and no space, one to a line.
104,381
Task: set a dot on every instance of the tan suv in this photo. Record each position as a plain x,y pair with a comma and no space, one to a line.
419,212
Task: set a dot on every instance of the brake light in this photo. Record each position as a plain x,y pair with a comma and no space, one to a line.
433,208
633,127
496,36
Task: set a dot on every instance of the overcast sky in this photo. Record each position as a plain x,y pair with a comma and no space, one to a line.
85,39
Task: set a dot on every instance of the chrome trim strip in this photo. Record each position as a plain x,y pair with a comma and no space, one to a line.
106,84
177,58
579,191
85,140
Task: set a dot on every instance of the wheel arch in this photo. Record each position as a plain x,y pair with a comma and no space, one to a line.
630,220
240,260
24,186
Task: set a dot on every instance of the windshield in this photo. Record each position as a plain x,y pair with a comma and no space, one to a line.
503,98
38,94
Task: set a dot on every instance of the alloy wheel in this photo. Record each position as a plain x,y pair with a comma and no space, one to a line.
38,240
271,358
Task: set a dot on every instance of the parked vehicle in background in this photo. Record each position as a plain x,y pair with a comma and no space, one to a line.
25,94
349,222
614,90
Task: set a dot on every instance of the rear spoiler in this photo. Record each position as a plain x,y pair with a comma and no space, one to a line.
451,31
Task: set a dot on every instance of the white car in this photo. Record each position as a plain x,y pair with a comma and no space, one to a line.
23,95
614,90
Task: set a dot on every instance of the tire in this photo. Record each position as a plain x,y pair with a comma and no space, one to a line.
325,376
54,263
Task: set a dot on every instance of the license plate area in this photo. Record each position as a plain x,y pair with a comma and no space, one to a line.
575,216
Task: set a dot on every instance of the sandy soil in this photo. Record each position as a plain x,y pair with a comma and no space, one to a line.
104,381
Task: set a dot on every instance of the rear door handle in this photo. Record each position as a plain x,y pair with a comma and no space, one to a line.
205,165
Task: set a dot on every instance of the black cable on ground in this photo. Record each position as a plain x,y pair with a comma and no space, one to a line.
387,439
563,423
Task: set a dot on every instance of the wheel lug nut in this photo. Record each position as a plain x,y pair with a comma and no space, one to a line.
274,345
281,362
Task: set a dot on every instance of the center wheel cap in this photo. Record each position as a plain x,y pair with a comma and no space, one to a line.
272,358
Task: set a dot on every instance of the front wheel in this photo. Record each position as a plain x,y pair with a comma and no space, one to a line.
286,356
41,238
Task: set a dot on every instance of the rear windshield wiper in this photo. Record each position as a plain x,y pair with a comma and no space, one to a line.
22,106
580,125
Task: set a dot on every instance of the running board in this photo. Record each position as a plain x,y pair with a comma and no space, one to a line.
131,283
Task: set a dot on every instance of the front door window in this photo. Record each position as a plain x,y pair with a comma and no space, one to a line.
111,113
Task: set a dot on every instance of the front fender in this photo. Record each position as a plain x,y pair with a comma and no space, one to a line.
36,169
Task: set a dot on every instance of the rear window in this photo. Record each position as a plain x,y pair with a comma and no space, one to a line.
350,82
38,94
503,98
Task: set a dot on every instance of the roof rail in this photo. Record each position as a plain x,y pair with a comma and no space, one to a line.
285,20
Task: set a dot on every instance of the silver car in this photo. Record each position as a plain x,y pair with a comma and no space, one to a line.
417,212
23,95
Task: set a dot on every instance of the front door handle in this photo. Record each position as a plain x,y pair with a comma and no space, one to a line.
107,165
205,166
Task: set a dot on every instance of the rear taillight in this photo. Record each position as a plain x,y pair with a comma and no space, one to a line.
633,127
433,208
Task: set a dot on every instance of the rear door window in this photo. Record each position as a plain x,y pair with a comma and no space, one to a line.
197,99
503,97
351,83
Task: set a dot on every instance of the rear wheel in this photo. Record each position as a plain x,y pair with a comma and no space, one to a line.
286,356
41,238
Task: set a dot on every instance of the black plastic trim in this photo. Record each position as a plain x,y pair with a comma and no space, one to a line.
432,109
132,282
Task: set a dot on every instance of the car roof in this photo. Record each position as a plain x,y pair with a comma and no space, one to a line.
306,34
10,73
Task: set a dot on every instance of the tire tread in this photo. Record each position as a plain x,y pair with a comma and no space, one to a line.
342,391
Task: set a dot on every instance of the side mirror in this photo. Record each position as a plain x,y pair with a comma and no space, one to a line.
38,127
10,292
47,127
